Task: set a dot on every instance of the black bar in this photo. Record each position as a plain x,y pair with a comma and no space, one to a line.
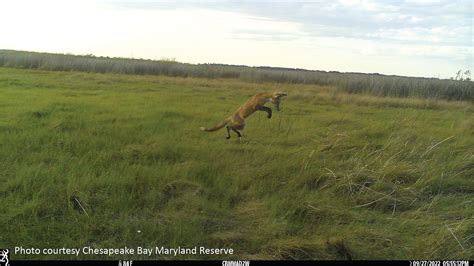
234,262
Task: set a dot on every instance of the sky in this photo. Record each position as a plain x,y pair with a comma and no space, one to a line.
424,38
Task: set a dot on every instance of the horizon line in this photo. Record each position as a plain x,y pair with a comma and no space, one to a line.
174,59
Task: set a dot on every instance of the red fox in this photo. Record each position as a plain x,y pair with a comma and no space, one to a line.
236,121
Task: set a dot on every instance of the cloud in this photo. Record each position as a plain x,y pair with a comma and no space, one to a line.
413,29
349,18
393,36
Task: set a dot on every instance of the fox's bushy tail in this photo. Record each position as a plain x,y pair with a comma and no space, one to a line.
216,127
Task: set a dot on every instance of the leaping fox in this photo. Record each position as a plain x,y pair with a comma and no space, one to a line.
257,102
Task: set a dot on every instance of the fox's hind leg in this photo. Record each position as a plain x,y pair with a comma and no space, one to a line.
228,132
236,131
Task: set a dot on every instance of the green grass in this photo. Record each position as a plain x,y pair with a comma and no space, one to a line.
331,176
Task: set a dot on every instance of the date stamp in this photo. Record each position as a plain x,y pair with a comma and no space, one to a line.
439,263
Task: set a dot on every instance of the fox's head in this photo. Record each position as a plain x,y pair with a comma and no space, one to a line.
276,99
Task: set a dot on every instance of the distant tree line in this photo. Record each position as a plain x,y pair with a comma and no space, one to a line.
457,88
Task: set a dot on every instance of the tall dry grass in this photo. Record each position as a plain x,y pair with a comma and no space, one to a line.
357,83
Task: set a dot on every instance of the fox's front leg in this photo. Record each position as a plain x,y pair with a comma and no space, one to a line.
265,109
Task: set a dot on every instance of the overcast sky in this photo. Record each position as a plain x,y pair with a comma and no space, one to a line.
427,38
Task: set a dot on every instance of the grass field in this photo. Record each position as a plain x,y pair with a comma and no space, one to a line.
113,160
